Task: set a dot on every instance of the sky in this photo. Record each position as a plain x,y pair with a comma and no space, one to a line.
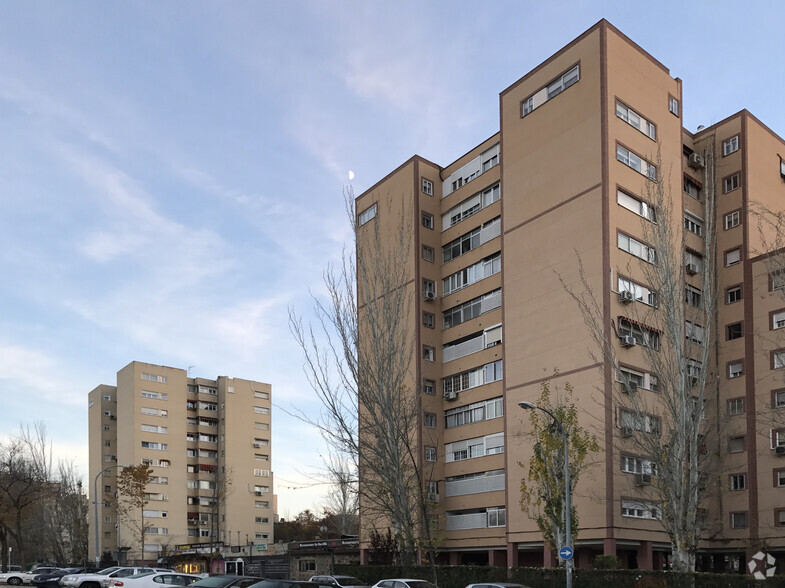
172,174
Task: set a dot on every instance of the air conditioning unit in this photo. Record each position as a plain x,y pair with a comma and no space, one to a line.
629,387
258,492
696,161
691,269
625,297
257,445
113,417
626,431
780,450
692,380
429,295
451,395
642,479
627,341
433,497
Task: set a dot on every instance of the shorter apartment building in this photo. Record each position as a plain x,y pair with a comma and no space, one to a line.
208,443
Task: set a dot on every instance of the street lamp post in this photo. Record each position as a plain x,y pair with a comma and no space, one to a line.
567,498
95,505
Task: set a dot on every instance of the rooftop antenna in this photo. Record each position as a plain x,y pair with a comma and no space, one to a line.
190,367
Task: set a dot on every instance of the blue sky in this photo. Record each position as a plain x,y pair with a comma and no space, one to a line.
171,173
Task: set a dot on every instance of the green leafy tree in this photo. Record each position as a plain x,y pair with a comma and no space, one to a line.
131,497
542,490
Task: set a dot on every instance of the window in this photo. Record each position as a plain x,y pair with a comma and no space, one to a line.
732,219
733,294
640,293
427,187
636,465
428,289
152,445
693,332
108,443
430,420
730,145
694,296
367,215
738,482
735,406
635,120
777,438
428,253
430,454
428,320
471,240
733,331
640,510
693,224
477,447
472,205
428,353
777,359
643,334
472,309
474,273
779,478
261,473
307,565
107,427
778,319
107,397
154,429
636,162
639,422
472,378
691,188
693,262
738,520
259,394
732,257
428,386
427,220
736,444
673,106
776,280
779,517
730,183
778,398
154,378
497,516
636,205
555,88
474,413
640,379
636,248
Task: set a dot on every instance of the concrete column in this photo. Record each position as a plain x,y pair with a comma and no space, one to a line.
512,555
548,558
455,558
645,556
609,546
363,557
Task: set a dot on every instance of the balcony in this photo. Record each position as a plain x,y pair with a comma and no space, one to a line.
477,520
475,485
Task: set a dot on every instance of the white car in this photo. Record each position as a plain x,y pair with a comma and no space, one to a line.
403,583
17,578
154,580
103,577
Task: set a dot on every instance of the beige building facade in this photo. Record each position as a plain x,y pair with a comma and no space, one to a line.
208,443
498,233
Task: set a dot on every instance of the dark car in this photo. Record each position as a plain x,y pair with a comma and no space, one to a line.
226,582
290,584
51,579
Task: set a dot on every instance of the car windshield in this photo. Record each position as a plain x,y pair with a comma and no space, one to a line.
420,584
215,581
107,571
349,581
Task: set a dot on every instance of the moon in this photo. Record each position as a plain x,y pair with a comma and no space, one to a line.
351,175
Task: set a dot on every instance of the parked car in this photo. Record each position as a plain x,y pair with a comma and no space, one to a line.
403,583
17,578
340,581
222,581
289,584
52,579
154,580
496,585
101,578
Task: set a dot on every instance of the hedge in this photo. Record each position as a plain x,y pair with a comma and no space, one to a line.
460,576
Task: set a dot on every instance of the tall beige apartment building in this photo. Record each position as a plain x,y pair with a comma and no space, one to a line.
208,443
492,233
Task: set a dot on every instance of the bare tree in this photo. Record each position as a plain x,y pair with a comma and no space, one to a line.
358,358
132,500
542,490
675,328
342,499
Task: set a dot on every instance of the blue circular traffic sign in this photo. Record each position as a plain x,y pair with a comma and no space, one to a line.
566,553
